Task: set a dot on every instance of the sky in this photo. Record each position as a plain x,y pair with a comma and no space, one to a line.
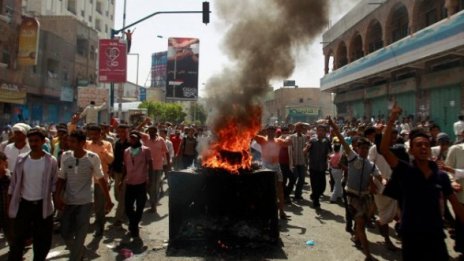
152,35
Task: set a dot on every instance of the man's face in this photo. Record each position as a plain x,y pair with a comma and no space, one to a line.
74,144
320,132
133,140
94,135
152,132
420,148
35,142
19,136
434,132
122,133
271,133
363,150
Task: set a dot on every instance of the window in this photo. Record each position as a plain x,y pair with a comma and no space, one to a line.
92,53
34,68
301,100
98,25
82,13
72,6
82,46
90,18
99,7
106,28
52,68
111,17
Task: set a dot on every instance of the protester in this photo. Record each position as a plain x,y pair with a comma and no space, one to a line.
337,172
137,165
117,169
79,167
458,128
424,189
5,176
19,146
188,149
297,145
31,207
361,172
91,112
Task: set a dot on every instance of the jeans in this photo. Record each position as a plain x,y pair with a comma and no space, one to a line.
337,175
74,226
29,219
318,184
99,206
299,172
288,176
119,196
135,194
154,179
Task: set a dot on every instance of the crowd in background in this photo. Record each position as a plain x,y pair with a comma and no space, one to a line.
380,171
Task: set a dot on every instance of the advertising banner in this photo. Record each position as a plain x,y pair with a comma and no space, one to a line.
159,62
87,94
182,69
11,93
28,41
112,61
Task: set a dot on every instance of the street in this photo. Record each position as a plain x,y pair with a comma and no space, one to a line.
325,227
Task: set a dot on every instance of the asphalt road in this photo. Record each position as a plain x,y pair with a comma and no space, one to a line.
325,227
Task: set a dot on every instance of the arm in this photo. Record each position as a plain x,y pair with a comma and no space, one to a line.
57,195
340,137
104,186
260,139
101,107
458,208
386,140
142,125
84,112
108,155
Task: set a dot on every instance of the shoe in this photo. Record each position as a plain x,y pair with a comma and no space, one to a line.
298,198
283,216
98,232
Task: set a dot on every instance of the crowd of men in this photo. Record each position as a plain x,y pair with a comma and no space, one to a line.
381,172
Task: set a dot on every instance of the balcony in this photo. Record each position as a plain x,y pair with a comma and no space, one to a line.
440,38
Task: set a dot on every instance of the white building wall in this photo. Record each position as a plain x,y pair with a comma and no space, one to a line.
85,11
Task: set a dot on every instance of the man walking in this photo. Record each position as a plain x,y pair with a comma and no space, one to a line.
297,144
319,149
138,163
117,169
78,169
31,207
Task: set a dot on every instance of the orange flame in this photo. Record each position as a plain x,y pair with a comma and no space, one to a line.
233,136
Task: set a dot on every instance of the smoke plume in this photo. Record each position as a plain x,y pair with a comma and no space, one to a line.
261,41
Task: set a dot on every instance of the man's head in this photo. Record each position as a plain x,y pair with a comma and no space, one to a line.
94,132
270,132
419,145
76,140
152,131
134,139
92,102
443,140
163,133
36,139
123,132
434,130
299,127
369,133
321,131
19,133
61,132
363,145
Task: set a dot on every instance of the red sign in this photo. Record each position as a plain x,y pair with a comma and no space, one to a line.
112,61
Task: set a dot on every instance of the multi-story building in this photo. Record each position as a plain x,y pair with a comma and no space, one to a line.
12,92
97,14
411,51
293,104
66,60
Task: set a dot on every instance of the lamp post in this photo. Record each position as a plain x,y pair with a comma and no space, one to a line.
137,77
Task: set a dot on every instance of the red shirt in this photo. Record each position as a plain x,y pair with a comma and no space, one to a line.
176,140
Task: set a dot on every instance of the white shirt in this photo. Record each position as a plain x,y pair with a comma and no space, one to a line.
458,127
170,151
12,154
91,113
455,159
32,178
380,162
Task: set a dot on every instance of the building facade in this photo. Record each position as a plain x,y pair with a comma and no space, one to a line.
293,104
408,51
96,14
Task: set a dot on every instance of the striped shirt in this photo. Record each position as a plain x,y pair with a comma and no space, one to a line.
298,144
78,173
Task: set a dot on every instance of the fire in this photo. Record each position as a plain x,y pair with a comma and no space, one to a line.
230,150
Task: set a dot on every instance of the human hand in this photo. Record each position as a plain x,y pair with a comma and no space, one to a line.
75,118
456,186
396,111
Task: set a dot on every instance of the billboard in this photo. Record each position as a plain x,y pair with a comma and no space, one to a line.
159,62
112,61
182,69
28,41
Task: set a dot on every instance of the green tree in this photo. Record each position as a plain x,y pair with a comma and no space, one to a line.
161,111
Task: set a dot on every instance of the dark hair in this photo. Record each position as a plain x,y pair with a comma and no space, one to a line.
153,127
363,141
461,117
92,102
369,131
79,135
3,156
354,140
123,126
136,133
164,131
418,132
36,132
433,126
321,126
92,127
337,147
